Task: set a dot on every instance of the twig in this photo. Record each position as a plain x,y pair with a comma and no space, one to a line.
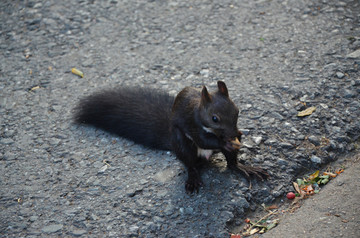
256,223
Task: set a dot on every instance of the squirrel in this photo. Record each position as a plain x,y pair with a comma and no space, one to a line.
194,124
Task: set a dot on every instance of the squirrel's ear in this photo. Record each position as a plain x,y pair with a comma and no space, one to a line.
205,96
222,88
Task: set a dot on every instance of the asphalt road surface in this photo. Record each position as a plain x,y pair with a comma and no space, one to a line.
277,58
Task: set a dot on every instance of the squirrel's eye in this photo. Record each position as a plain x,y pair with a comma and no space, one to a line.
215,119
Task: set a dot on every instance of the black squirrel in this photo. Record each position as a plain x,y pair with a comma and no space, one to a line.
193,125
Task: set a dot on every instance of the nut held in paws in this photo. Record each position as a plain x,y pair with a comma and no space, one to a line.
235,143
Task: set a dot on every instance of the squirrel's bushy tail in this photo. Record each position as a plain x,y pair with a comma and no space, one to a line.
139,114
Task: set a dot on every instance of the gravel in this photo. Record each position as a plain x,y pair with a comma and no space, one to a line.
277,58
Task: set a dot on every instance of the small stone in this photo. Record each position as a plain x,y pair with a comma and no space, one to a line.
87,63
277,116
314,140
349,93
228,216
134,229
257,139
336,129
7,141
33,218
248,144
165,175
333,145
354,55
271,142
52,228
355,82
9,133
286,145
78,232
97,164
340,75
324,105
330,66
304,98
282,162
300,137
205,72
151,226
37,5
189,210
54,141
103,169
245,131
315,159
258,159
264,192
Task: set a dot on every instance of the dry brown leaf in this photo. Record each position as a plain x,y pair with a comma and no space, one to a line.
339,171
306,112
253,231
272,207
330,174
34,88
77,72
297,188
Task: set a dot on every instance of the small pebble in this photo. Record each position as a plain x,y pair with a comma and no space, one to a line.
340,75
52,228
315,159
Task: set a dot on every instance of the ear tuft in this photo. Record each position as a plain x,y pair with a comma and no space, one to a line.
205,96
222,88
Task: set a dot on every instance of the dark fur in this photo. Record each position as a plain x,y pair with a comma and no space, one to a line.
141,115
182,124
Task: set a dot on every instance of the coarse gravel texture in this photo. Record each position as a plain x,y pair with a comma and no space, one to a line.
277,57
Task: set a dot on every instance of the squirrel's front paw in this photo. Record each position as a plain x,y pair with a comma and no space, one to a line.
193,185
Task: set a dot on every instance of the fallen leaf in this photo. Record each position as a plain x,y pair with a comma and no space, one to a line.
253,231
306,112
272,225
271,207
300,182
308,189
34,88
330,174
314,175
339,171
297,188
247,226
77,72
324,181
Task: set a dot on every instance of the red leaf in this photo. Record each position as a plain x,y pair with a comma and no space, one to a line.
235,236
